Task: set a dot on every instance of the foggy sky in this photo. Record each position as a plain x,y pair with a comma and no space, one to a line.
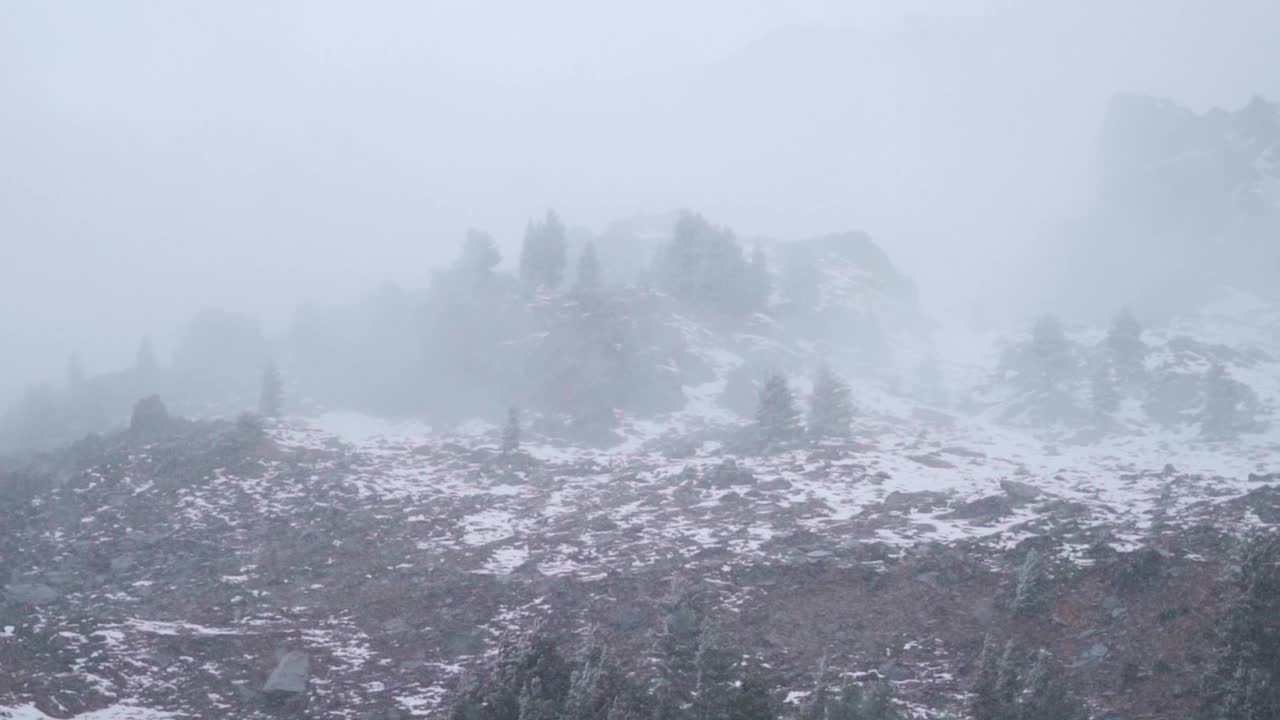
160,157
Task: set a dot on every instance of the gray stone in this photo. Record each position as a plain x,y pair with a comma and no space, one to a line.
291,675
895,671
1095,652
31,593
1019,491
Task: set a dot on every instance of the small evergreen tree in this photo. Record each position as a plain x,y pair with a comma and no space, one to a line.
75,372
1125,346
751,701
145,363
271,397
984,700
1045,696
1244,682
543,256
713,663
479,253
759,284
511,432
595,684
830,406
1221,418
801,280
587,278
777,419
1102,391
676,649
1051,351
1031,581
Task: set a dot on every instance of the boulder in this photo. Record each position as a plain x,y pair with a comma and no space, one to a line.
31,593
921,500
287,684
983,509
1019,491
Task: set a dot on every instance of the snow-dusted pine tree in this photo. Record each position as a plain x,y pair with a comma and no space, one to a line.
511,432
830,406
777,419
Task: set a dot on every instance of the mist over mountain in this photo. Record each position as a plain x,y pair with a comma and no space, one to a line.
640,361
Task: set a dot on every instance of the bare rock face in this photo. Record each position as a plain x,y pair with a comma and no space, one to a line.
286,687
150,417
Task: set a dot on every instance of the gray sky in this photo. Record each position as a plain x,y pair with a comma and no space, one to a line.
158,157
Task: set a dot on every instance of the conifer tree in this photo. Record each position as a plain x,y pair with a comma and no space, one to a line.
1045,696
751,701
595,684
1124,343
759,283
713,668
543,255
830,406
588,277
1221,404
511,432
145,363
1031,579
271,397
479,253
75,372
1102,391
1244,682
984,701
777,419
1051,351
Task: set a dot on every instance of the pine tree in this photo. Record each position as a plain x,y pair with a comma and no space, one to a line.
75,372
830,406
751,701
595,683
759,284
713,665
777,420
271,398
1008,682
587,278
676,650
1102,391
703,266
543,256
1245,679
801,281
984,701
1051,351
1045,696
1221,404
815,706
1124,343
511,433
1031,579
479,253
879,704
145,364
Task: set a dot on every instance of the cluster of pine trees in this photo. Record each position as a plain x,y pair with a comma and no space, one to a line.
778,418
1048,365
704,266
1010,686
696,674
1244,682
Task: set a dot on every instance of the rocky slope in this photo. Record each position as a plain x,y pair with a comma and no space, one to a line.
176,569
